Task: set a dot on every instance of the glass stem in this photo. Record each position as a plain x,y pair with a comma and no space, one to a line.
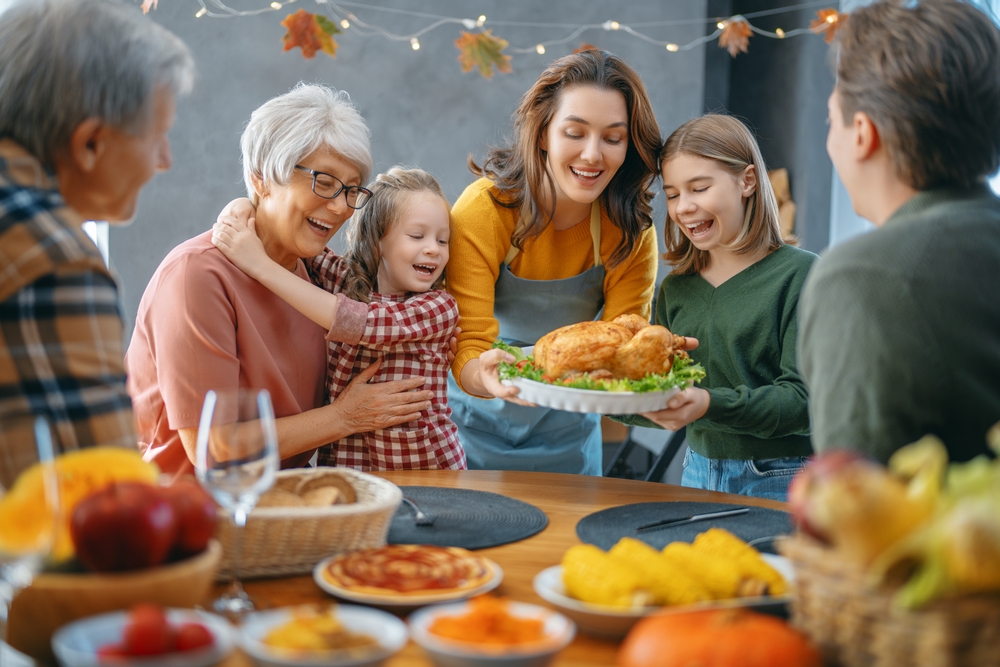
239,523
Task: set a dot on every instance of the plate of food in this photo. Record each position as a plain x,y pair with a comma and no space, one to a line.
624,366
407,575
606,593
321,636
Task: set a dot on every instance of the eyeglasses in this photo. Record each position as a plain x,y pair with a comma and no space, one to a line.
330,187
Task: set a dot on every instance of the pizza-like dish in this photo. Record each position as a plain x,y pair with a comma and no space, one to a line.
408,569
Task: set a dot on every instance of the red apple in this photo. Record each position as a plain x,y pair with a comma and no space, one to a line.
125,526
196,513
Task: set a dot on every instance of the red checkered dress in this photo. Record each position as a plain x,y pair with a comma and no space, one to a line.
410,333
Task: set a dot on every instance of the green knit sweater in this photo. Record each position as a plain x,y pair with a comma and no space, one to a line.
746,329
900,329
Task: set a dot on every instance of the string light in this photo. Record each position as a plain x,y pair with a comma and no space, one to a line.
338,12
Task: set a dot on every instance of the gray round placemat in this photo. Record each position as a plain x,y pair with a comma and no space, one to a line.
464,518
606,527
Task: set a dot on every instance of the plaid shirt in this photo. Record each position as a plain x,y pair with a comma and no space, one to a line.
61,346
410,333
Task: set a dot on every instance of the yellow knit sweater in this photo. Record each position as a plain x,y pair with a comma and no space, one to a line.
480,239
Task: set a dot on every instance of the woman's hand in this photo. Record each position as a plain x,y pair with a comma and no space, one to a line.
368,407
240,244
684,408
489,376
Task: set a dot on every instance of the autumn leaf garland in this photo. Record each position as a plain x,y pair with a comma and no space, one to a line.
483,51
311,33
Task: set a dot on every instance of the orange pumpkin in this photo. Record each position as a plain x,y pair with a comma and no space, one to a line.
716,638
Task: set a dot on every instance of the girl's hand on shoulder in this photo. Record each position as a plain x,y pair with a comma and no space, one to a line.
240,208
489,376
238,241
688,406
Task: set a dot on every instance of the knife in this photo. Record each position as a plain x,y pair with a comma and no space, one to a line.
691,519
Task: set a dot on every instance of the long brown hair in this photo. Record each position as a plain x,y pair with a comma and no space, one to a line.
518,170
727,141
390,192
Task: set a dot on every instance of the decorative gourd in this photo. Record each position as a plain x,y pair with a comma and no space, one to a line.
716,638
24,520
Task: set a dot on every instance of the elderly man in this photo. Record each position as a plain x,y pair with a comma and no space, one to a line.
899,332
87,90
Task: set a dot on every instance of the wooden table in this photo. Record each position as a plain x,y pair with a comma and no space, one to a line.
564,498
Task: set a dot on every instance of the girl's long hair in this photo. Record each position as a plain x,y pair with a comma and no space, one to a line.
519,169
727,141
390,192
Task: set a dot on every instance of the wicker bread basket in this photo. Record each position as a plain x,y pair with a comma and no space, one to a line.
291,540
855,626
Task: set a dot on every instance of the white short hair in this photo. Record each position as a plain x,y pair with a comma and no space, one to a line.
63,61
289,127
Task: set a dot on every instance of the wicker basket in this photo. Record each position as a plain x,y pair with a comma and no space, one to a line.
291,540
854,626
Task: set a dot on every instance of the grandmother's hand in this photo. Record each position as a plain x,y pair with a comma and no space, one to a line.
239,243
368,407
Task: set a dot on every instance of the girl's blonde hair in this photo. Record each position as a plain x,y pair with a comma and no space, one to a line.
729,142
370,225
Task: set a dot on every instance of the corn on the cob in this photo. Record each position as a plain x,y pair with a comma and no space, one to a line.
668,585
746,559
591,575
717,574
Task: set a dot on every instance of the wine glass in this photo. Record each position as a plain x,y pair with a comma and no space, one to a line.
236,459
28,530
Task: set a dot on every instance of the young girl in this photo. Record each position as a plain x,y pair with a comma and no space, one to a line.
388,305
735,287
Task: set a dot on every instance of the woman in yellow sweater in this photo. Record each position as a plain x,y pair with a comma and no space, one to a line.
557,230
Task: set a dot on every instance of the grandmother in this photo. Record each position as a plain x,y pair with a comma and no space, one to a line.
204,324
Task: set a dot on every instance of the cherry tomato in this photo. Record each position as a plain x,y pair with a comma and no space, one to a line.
548,378
111,652
521,364
147,631
193,635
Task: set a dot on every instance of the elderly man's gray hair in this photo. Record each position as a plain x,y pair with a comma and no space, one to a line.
289,127
64,61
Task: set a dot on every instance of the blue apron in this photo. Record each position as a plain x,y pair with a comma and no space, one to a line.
499,435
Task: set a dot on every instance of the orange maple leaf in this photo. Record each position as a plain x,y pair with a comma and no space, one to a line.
483,51
311,33
147,5
585,47
735,35
828,21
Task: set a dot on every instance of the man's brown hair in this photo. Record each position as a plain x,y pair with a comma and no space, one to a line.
927,75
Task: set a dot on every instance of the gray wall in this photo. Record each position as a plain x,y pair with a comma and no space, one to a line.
421,108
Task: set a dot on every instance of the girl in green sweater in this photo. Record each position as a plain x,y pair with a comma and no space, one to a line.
735,287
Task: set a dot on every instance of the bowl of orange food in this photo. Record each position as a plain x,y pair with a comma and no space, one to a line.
321,636
488,631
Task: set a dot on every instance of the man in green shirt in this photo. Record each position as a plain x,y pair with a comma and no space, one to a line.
899,332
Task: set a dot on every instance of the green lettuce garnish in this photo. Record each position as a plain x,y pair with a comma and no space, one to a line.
683,373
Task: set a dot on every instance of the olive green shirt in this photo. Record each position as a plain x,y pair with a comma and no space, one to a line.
746,330
900,329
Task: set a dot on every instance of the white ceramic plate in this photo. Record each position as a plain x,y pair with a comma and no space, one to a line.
389,631
558,630
590,400
404,601
76,643
616,622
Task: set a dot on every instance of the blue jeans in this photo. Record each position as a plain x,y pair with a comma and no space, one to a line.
763,478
